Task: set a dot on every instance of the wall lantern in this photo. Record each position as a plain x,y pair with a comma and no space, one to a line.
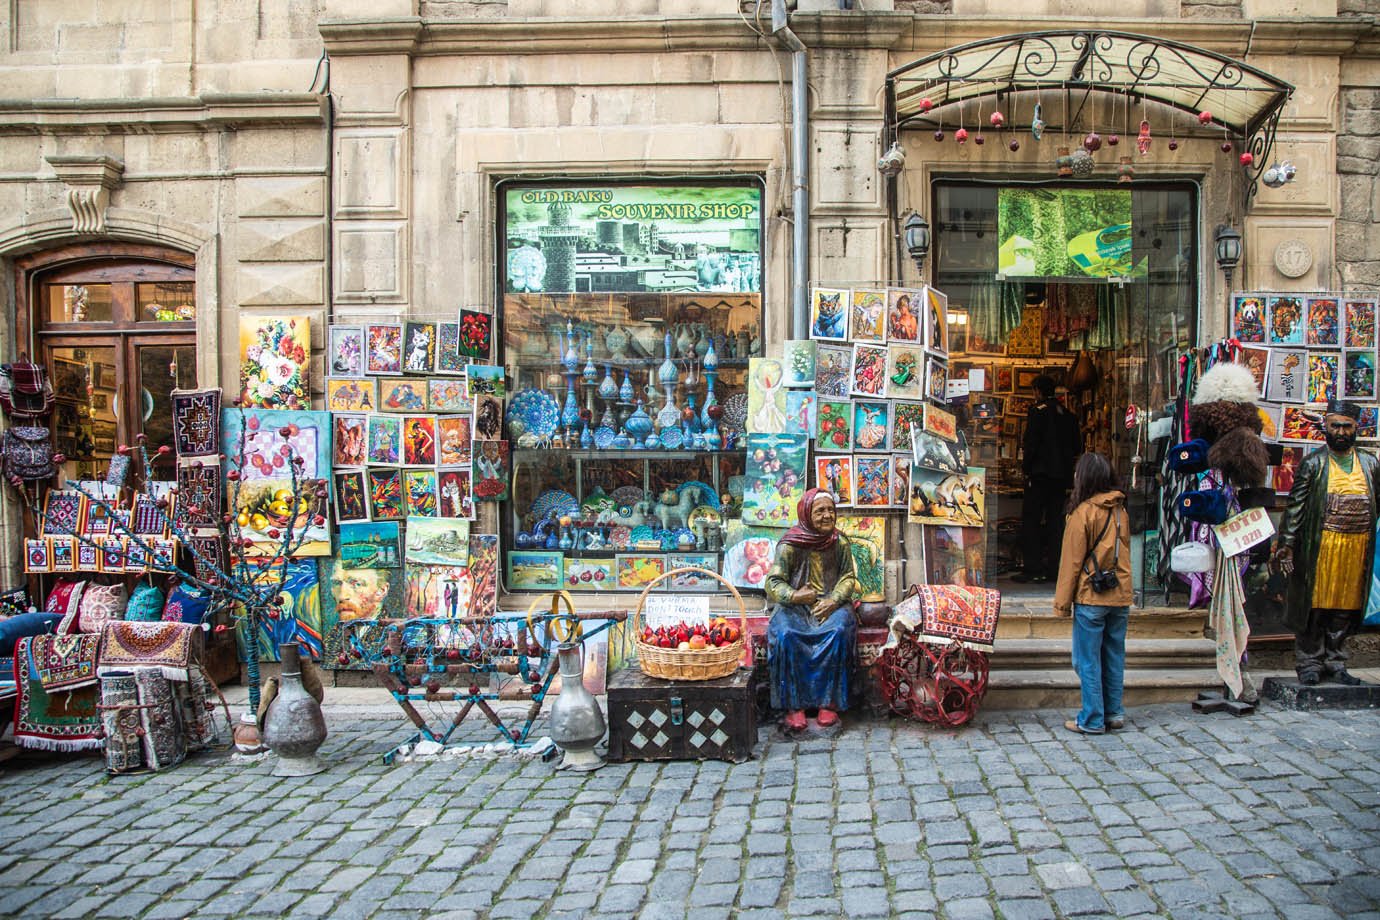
917,236
1228,241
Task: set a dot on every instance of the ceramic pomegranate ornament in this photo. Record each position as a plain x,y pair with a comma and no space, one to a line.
1247,158
1113,140
1226,146
1014,145
997,119
1093,142
1173,145
926,104
939,136
1204,117
961,135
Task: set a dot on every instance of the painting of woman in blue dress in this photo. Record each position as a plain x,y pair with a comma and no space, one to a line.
810,641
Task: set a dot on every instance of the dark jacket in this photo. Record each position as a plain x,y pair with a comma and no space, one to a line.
1052,442
1084,527
1301,530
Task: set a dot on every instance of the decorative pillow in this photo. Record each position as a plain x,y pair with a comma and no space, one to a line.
65,600
146,604
187,605
98,604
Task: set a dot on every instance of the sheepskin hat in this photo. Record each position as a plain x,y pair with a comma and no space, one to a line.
1230,382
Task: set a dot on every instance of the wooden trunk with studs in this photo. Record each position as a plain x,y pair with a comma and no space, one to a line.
654,719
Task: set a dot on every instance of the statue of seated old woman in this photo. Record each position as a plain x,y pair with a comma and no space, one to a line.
812,635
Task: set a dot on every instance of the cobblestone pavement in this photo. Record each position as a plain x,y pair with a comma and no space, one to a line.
1178,815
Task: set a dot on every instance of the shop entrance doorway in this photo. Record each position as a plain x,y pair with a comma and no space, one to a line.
1090,290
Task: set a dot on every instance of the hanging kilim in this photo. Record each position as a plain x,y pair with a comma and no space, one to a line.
207,557
64,721
947,613
146,519
198,495
196,422
65,662
129,645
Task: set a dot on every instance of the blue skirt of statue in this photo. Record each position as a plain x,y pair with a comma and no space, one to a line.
809,661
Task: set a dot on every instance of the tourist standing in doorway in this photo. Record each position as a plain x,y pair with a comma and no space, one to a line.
1052,444
1095,587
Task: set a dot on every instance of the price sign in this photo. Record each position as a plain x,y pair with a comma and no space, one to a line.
1240,532
670,609
1132,413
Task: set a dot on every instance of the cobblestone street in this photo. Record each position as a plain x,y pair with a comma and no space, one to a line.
1178,815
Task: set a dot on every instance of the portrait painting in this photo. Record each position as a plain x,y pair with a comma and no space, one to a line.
453,438
1324,329
1286,320
419,440
829,313
1286,380
385,439
936,322
834,474
867,316
1359,323
349,439
904,322
1249,317
869,370
402,396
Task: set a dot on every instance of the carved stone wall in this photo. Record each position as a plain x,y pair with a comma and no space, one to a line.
1358,164
1210,9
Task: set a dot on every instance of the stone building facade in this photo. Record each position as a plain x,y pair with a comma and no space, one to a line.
339,158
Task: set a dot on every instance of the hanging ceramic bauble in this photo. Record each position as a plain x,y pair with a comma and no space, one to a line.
1125,172
1226,146
1014,145
1082,162
1204,117
961,135
1143,139
979,139
926,104
1037,124
939,135
1113,140
1064,163
1173,145
1083,375
1247,158
997,119
1093,142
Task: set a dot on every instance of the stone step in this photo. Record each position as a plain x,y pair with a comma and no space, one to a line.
1145,623
1059,688
1044,654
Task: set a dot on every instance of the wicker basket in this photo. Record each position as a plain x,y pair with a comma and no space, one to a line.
693,664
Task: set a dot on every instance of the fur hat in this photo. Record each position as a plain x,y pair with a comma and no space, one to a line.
1230,382
1241,456
1211,420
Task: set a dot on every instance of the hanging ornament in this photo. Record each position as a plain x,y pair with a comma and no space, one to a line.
1173,145
1082,163
1226,146
1247,158
1113,139
1014,145
1064,163
1093,142
926,104
939,135
1204,117
961,135
1143,138
1125,172
1037,124
997,119
979,139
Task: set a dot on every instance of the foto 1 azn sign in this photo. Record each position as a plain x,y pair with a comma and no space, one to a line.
1240,532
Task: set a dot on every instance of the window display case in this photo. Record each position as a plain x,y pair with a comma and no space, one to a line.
630,312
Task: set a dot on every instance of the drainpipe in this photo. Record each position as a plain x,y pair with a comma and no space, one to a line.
800,170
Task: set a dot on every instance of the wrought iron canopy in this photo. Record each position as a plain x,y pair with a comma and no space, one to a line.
1241,98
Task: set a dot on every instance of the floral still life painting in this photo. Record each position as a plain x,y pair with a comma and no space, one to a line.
274,353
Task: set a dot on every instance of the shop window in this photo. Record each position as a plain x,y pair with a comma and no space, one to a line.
627,443
115,326
1093,286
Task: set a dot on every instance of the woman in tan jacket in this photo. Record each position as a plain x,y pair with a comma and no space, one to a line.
1094,586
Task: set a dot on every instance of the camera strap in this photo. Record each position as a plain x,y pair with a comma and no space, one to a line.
1116,543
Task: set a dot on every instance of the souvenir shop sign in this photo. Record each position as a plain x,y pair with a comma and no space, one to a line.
645,237
668,609
1240,532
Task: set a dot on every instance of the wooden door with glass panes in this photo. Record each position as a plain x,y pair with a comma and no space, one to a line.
116,328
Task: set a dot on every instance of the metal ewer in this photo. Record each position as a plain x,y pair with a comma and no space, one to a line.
576,722
295,727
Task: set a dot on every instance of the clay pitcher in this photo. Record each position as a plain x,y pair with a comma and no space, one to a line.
295,727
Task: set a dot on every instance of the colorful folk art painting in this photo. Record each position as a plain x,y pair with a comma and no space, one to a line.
1358,374
402,396
386,494
1359,323
829,313
1287,376
900,482
834,424
1324,329
867,316
799,360
345,351
449,360
766,396
905,372
867,535
438,541
957,499
352,395
872,482
476,334
437,591
491,467
834,474
349,439
453,439
801,409
449,395
1249,316
455,493
1286,320
370,546
905,416
1257,361
871,425
483,574
385,439
420,489
486,380
295,615
904,320
833,371
383,344
1322,376
869,370
937,323
274,362
271,437
1301,424
419,348
776,474
419,440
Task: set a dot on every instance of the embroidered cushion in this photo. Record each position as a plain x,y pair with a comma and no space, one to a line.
100,603
146,604
12,629
187,605
65,601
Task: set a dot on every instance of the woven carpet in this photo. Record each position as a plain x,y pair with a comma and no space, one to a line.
66,720
128,645
944,613
64,662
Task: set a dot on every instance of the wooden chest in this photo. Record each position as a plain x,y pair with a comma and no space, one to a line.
654,719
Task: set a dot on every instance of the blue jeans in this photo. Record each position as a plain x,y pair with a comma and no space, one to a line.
1099,658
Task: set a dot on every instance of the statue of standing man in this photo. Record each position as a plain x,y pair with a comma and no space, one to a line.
1327,546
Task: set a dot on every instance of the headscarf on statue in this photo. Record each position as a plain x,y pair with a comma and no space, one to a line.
804,534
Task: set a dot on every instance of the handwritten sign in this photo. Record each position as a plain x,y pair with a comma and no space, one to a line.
1240,532
669,609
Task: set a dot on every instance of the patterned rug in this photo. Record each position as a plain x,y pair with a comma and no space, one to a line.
130,645
63,721
944,613
64,662
196,422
